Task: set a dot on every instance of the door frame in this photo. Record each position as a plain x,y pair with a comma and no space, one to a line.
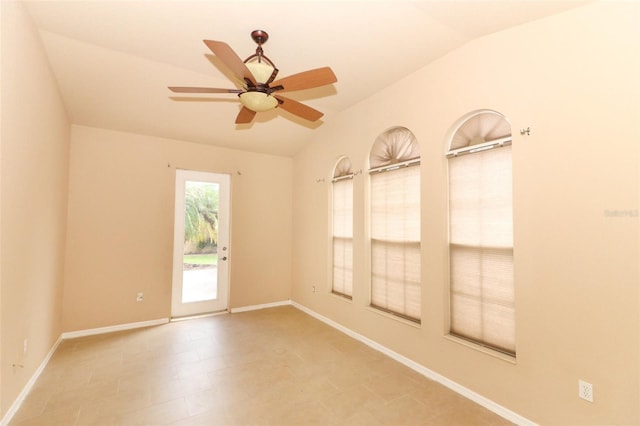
221,303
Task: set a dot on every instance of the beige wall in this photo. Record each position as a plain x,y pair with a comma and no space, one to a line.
34,166
573,79
120,238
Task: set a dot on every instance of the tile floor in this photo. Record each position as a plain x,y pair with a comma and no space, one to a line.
275,366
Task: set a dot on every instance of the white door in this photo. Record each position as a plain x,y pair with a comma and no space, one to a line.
201,243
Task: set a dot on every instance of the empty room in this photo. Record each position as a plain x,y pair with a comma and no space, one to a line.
319,212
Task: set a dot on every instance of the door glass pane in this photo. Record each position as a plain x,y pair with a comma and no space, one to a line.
200,261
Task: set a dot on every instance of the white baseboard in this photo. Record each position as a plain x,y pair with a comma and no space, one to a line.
262,306
467,393
110,329
27,388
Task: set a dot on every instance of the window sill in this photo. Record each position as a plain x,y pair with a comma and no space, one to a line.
341,297
395,317
491,352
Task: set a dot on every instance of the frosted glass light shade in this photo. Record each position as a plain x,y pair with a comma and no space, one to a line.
260,70
258,101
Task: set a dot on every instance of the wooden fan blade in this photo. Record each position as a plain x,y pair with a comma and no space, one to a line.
306,80
245,116
301,110
230,59
203,90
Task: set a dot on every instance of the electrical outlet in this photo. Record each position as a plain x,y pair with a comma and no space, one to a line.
25,346
585,390
139,297
313,289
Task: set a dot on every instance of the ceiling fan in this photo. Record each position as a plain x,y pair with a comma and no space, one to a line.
260,90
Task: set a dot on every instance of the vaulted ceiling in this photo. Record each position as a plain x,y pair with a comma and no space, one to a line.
113,60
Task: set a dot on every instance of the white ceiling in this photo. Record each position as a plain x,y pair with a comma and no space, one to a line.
114,59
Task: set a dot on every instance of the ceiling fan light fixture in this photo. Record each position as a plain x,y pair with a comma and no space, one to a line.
261,71
258,101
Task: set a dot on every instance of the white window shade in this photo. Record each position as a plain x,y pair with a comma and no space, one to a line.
343,237
481,198
395,224
481,248
396,145
343,168
480,128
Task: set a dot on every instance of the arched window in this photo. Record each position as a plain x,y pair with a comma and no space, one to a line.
394,174
482,293
342,230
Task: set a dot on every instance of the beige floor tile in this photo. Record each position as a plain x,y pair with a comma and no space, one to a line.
345,376
437,397
249,413
271,367
391,386
351,403
300,414
33,406
64,416
206,401
360,418
404,411
194,384
81,395
119,404
466,413
159,414
209,418
177,388
200,366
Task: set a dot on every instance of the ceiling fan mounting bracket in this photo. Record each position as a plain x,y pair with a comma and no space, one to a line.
259,36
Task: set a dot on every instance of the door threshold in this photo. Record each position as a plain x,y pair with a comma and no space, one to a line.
205,315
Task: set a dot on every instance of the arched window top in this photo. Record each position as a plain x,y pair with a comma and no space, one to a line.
343,168
396,145
480,128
